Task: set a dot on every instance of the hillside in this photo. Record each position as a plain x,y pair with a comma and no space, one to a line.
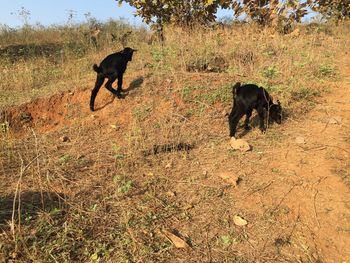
86,191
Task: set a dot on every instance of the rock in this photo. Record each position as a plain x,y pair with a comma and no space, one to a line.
171,193
335,120
239,144
65,138
300,140
230,178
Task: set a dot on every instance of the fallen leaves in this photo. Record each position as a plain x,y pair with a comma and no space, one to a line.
177,241
239,221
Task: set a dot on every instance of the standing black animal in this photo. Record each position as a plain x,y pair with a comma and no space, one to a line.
112,68
248,97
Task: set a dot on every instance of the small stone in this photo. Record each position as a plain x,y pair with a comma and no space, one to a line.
239,144
230,178
171,193
65,139
239,221
300,140
335,120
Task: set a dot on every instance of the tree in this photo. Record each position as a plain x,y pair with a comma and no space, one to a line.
269,12
337,9
184,13
190,12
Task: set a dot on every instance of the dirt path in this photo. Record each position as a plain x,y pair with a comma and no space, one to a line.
313,178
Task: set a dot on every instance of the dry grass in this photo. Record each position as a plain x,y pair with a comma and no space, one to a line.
96,198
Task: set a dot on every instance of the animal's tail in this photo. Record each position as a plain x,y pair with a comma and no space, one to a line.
97,68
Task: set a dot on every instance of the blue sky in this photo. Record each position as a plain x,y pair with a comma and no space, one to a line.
49,12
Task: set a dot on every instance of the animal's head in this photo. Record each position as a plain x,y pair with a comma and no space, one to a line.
276,112
128,52
235,87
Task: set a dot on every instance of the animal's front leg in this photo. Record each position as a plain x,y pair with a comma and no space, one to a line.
120,85
246,122
233,120
261,114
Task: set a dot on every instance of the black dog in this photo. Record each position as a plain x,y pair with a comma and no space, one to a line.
112,68
247,98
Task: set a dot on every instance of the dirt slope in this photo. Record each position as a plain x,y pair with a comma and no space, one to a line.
295,196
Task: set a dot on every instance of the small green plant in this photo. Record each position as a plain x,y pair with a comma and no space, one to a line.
64,159
142,112
124,184
306,93
326,70
117,152
99,253
5,126
226,240
270,72
270,51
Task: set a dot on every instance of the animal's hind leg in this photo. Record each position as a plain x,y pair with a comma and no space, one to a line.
109,85
98,84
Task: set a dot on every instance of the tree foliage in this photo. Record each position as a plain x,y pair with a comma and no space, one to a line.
336,9
264,12
187,12
269,12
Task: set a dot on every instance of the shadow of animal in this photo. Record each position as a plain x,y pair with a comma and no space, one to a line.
136,83
170,147
107,103
30,204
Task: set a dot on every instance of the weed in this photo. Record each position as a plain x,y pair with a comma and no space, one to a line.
64,159
326,70
142,112
306,93
270,72
118,155
124,184
227,240
5,126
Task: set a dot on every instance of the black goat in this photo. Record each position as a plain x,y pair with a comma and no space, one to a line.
249,97
112,68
